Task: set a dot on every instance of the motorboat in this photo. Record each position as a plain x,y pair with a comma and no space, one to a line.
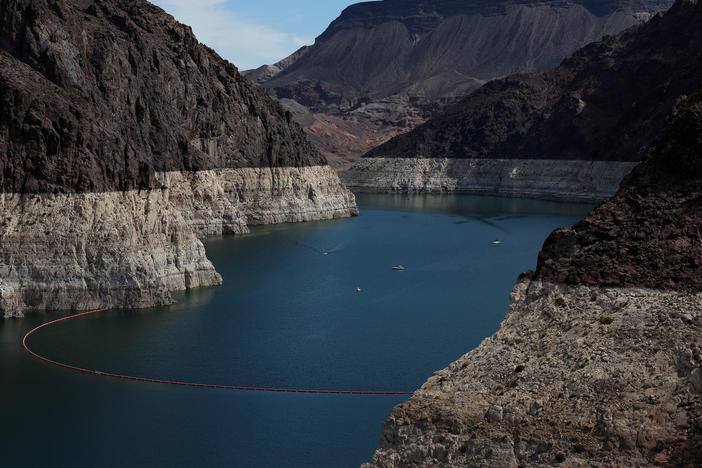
398,267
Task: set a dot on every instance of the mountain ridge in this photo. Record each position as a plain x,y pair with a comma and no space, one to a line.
565,113
403,61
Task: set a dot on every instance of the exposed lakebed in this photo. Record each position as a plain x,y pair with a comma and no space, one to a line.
288,315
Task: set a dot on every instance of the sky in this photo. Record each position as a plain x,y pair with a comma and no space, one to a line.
251,33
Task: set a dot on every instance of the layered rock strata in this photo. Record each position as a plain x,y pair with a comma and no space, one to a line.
550,179
607,102
93,250
123,140
599,359
227,201
131,249
382,68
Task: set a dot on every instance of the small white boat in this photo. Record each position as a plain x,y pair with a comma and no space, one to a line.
398,267
497,241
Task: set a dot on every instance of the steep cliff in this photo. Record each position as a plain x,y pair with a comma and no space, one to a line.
599,359
628,82
123,139
382,68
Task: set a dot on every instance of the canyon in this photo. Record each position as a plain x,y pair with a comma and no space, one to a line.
123,142
598,361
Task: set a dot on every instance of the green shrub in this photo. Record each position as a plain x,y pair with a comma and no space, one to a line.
606,320
519,368
560,457
560,302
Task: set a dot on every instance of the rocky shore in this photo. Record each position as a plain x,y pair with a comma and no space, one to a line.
599,359
547,179
132,249
575,376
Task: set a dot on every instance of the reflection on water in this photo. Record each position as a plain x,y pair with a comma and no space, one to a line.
287,315
470,205
200,297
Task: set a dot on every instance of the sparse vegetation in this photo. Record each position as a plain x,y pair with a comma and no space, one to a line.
560,457
513,384
606,320
560,302
519,368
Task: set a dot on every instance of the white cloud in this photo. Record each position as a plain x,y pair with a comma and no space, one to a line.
242,42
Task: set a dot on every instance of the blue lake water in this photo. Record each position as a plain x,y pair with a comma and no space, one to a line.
287,316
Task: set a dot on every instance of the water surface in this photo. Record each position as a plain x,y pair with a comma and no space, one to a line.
288,315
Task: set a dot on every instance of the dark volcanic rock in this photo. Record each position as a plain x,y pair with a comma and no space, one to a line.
384,67
97,95
628,83
648,234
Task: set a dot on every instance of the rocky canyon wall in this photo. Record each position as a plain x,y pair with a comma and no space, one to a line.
599,359
547,179
123,142
80,251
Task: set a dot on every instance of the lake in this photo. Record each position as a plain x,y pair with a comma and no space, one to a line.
288,315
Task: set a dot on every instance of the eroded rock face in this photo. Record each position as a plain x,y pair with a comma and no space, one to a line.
94,250
123,140
649,233
585,375
382,68
75,251
549,179
599,359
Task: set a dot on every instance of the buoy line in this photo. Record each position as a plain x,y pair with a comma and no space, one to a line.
175,382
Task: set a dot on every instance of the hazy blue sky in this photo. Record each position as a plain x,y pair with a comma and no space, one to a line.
254,32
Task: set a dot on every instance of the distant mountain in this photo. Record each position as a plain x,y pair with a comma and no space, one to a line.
605,103
383,67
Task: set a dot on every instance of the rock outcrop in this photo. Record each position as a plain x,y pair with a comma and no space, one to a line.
599,359
123,140
581,376
576,181
605,103
382,68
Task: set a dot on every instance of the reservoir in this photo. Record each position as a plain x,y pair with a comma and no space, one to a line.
313,305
